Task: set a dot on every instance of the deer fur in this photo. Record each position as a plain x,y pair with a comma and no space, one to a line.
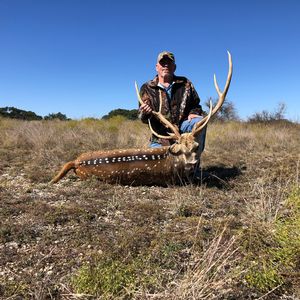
165,165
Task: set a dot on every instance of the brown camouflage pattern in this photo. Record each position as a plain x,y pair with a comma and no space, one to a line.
184,100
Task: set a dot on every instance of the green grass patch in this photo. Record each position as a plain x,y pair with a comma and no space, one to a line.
276,257
108,278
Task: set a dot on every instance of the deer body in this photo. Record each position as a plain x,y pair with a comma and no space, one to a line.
148,166
133,166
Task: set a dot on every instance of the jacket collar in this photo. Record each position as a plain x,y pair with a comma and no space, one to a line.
154,82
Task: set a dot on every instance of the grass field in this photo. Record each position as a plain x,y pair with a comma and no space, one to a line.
236,235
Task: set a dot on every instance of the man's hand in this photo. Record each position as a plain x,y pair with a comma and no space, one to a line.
145,109
192,116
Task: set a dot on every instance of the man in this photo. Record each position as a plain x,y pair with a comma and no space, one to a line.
180,101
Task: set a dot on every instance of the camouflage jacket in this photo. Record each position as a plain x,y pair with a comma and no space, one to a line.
184,100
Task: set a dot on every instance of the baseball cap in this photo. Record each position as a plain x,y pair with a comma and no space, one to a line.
167,54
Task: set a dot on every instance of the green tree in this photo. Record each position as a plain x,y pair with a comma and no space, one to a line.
226,113
128,114
15,113
58,116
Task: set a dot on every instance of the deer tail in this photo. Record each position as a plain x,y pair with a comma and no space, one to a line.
65,169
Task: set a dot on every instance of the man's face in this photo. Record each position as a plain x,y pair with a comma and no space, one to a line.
165,67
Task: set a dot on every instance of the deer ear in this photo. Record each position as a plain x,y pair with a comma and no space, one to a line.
175,149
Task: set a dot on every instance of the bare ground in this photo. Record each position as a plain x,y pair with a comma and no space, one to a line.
90,240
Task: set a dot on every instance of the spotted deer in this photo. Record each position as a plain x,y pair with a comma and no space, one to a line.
162,165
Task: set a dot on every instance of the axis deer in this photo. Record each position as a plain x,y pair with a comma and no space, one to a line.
163,165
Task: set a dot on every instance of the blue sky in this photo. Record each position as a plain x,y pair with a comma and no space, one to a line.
81,57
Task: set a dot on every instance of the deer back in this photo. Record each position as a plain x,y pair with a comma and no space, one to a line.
129,166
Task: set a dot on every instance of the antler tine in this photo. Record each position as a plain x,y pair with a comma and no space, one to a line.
138,93
171,136
164,120
160,101
175,135
202,123
222,95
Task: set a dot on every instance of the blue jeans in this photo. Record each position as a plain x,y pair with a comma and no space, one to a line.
187,126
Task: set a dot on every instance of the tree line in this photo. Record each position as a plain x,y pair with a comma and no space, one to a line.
16,113
227,112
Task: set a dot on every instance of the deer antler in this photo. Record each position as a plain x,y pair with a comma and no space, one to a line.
175,135
202,123
221,99
223,95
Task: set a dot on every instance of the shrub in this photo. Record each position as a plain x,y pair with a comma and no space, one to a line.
226,113
266,116
128,114
58,116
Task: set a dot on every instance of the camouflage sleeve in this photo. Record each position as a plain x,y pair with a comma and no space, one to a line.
196,108
146,99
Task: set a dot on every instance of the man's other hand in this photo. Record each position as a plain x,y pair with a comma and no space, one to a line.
192,116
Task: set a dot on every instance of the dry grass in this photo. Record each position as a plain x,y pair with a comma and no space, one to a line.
235,236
